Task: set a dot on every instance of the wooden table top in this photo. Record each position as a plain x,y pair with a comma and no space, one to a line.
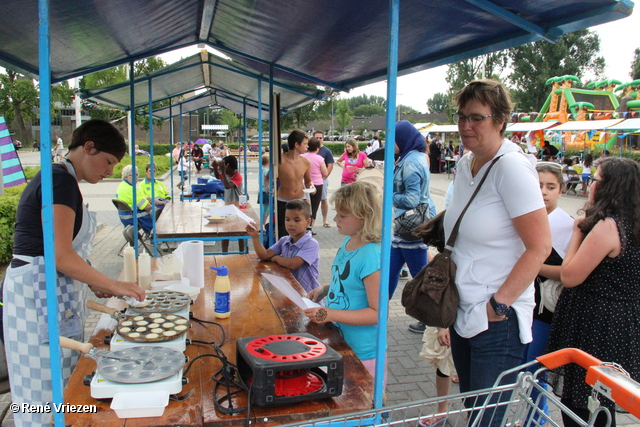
186,220
257,309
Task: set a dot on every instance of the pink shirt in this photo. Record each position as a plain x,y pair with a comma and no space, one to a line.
316,167
347,176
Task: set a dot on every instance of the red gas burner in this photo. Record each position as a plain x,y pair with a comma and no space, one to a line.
285,369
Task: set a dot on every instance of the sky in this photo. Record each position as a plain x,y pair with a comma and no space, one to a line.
617,44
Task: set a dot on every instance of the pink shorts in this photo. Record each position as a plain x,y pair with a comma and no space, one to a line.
371,367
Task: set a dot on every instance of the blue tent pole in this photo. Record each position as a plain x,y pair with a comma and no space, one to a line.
153,171
48,228
179,159
259,148
387,207
272,144
171,142
132,143
244,138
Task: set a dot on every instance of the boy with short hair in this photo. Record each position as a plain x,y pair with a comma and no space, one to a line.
298,251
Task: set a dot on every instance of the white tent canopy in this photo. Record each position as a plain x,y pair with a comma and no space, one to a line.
629,124
586,125
529,126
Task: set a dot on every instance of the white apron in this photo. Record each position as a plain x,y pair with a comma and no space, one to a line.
27,355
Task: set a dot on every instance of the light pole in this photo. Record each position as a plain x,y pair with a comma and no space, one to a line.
397,107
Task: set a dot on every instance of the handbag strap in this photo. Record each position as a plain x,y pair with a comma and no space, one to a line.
454,232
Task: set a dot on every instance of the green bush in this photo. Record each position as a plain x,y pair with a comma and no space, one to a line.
158,149
8,207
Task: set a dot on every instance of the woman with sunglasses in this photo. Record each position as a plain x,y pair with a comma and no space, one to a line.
599,309
502,242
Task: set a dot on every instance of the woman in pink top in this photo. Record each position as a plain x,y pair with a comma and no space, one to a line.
352,161
319,173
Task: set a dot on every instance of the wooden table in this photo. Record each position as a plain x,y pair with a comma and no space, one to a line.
257,309
185,221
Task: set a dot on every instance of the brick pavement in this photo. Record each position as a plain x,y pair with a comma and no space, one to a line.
409,377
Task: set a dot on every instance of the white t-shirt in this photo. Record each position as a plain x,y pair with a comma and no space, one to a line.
205,148
488,245
375,144
561,225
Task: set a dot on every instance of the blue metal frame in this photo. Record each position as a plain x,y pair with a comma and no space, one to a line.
48,227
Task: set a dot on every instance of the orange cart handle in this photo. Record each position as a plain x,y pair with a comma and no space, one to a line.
607,380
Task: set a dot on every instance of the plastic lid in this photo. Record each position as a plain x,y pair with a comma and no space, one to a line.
222,270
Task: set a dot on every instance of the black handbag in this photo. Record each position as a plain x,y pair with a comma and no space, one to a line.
405,224
432,296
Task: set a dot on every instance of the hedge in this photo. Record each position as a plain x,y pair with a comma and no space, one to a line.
8,207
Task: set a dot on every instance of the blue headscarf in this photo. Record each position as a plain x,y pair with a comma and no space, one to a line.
408,138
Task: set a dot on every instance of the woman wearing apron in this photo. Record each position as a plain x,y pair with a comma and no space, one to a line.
96,147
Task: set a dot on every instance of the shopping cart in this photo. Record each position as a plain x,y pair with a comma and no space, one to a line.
509,404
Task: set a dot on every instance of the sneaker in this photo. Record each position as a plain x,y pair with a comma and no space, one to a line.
404,273
418,327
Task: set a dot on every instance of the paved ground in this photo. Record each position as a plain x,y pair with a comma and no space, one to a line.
409,377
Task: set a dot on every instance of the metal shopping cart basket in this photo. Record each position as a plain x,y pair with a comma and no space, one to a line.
514,405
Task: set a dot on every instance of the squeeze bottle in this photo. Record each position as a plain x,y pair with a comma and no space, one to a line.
222,290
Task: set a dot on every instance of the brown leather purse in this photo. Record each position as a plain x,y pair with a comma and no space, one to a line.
432,296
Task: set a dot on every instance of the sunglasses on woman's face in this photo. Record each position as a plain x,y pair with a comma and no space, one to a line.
593,179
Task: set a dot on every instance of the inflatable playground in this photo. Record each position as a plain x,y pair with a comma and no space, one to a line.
576,118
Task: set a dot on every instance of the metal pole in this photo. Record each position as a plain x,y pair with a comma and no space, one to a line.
172,143
44,55
132,145
274,135
153,172
387,207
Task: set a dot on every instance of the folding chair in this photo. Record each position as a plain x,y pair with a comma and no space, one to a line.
573,179
126,217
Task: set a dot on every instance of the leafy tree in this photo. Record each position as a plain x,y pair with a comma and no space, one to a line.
19,98
635,65
356,101
365,110
343,114
229,118
117,75
299,117
439,103
534,63
459,74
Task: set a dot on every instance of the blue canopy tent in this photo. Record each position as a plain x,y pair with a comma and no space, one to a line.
60,39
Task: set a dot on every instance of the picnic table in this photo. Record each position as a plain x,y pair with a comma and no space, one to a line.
257,309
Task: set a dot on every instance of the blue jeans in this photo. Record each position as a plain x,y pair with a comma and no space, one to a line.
415,259
480,360
532,350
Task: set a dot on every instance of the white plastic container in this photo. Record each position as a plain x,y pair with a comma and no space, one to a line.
140,404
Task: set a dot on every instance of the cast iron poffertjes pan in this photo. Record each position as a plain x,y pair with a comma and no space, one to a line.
145,327
163,302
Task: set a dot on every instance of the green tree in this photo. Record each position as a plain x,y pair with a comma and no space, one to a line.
20,97
534,63
343,114
229,118
635,65
439,103
299,117
117,75
365,110
356,101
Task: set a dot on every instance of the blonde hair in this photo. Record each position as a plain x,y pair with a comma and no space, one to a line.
356,151
361,199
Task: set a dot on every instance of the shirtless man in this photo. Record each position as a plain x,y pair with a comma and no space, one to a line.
294,175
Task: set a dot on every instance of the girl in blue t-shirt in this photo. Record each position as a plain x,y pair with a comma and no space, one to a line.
352,297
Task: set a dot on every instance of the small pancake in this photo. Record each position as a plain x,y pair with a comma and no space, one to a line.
171,317
159,320
127,323
168,325
133,335
151,336
153,325
157,330
169,333
124,330
181,321
138,318
181,328
142,323
155,315
141,329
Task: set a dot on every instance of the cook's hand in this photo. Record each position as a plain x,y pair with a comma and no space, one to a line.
318,314
99,293
130,289
491,314
318,293
252,229
444,338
